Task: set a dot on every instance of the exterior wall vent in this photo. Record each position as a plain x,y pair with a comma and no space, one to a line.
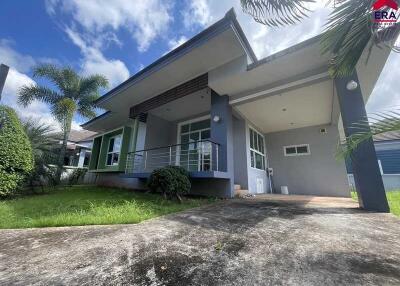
323,131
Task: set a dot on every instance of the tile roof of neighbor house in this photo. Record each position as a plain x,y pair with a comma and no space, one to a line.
78,135
388,136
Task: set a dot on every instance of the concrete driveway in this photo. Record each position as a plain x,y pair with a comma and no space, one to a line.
262,241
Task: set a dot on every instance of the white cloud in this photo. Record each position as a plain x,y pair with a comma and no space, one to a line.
197,12
386,95
174,43
145,20
14,59
94,62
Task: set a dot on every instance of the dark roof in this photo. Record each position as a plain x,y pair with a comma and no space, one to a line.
230,18
105,114
388,136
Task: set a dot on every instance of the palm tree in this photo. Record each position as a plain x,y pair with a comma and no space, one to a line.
72,94
348,31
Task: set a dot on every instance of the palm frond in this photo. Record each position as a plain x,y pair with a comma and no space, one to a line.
384,122
276,13
29,93
348,33
41,137
64,111
91,84
86,106
66,79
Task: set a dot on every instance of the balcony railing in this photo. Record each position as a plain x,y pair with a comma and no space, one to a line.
194,156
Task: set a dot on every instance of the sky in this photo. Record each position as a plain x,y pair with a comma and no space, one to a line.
118,38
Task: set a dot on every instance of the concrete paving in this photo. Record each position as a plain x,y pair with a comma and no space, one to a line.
268,240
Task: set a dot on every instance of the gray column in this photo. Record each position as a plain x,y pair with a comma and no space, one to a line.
367,177
222,133
3,76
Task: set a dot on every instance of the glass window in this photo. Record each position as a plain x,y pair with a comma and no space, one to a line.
297,150
114,148
204,124
257,150
302,149
191,157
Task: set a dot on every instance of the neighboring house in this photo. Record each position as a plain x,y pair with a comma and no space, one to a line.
387,148
79,148
229,118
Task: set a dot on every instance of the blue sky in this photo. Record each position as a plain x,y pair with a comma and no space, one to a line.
117,38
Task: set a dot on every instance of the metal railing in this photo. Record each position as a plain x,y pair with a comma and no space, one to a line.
193,156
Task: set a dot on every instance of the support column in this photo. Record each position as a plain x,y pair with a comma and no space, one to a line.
367,177
222,132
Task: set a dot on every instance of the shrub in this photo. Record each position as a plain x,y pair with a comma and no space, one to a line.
76,176
170,181
16,160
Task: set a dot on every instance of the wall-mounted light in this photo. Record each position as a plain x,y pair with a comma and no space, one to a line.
216,118
352,85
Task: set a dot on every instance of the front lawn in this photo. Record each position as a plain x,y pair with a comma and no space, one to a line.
84,205
393,198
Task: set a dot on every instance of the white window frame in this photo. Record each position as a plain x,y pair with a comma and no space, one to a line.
297,154
178,138
257,151
113,152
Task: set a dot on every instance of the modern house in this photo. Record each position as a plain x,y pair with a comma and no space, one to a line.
387,148
231,119
79,148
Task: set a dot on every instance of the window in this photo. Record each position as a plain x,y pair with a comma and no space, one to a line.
190,156
114,148
297,150
257,152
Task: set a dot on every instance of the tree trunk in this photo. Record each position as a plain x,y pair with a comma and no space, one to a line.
63,149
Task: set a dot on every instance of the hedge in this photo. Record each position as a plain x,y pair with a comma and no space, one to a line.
16,158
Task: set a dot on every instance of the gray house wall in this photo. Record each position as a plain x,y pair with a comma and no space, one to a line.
159,132
239,153
319,173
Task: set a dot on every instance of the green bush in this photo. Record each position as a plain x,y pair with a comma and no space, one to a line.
171,181
76,176
16,159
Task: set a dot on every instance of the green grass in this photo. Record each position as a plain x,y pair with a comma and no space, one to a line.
85,205
393,198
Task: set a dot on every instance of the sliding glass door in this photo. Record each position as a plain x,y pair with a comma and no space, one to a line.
195,154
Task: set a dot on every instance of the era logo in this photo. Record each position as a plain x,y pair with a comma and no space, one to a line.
385,11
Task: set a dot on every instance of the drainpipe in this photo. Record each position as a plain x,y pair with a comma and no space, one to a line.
3,75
